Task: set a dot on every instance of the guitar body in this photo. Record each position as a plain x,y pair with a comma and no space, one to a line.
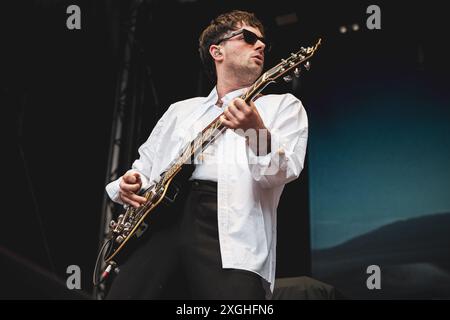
163,204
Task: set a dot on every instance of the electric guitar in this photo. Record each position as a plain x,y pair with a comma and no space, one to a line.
132,223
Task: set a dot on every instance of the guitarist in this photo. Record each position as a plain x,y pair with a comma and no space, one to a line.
221,244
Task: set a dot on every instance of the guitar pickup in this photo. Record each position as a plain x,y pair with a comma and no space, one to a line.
141,229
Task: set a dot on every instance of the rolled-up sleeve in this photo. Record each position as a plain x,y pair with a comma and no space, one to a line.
289,137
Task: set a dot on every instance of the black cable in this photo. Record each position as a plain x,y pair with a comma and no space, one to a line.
95,281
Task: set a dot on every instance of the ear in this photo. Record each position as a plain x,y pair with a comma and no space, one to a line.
216,52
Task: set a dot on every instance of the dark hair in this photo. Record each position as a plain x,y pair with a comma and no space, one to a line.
217,29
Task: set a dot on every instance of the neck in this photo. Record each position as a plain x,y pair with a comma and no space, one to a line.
223,88
226,84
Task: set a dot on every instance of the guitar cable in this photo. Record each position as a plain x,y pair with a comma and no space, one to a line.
112,266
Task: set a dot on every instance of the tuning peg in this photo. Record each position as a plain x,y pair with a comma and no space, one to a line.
287,78
307,65
297,72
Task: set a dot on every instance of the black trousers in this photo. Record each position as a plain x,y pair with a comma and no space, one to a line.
180,257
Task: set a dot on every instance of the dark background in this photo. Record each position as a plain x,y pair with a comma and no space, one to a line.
59,88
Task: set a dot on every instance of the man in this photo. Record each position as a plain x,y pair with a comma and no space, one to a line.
224,239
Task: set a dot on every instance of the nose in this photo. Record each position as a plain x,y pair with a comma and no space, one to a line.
260,46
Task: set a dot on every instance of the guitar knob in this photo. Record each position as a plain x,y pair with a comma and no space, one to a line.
287,78
307,65
297,72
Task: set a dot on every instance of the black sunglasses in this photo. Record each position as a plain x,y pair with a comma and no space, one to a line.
249,37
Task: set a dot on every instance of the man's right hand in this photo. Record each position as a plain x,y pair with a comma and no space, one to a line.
129,187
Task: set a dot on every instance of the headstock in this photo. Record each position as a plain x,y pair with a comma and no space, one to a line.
292,65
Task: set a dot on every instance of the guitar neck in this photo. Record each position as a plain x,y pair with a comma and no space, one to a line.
208,135
216,127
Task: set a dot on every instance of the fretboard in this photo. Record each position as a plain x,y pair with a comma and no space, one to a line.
208,135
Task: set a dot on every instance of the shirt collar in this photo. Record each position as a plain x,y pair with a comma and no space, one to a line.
213,96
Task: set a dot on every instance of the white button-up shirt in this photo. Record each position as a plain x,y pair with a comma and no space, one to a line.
248,186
